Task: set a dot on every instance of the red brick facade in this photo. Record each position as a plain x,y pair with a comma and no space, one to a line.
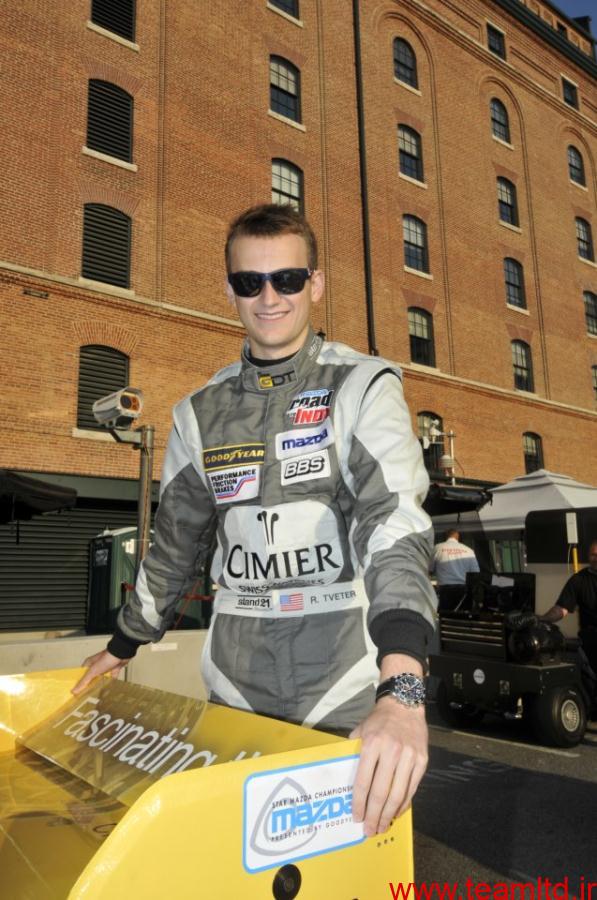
202,148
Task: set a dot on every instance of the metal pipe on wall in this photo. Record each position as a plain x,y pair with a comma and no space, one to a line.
363,173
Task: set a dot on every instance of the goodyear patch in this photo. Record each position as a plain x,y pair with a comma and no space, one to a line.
233,455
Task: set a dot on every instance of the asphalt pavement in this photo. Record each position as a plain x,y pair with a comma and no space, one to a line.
494,807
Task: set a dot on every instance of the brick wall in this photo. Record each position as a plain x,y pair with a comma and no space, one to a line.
203,144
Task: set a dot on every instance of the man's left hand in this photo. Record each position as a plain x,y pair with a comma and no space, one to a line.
393,761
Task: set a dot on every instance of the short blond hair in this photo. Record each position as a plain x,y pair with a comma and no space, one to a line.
272,220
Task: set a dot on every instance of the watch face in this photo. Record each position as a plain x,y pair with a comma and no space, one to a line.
409,689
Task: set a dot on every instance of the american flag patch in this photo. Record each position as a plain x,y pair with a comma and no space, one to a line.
291,602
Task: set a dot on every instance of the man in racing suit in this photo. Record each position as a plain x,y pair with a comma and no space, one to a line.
302,460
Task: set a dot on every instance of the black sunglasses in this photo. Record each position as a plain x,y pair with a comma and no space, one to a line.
284,281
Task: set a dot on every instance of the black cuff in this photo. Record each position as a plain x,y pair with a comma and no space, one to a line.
122,646
568,604
401,631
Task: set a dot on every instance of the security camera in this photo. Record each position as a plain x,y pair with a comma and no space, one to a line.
119,409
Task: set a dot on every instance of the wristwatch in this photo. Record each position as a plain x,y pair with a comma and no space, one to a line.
407,689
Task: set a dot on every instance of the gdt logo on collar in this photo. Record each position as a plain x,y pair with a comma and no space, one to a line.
268,380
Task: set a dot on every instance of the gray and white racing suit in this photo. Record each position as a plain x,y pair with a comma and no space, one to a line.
310,474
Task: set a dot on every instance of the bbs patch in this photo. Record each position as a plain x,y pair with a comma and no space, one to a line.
306,468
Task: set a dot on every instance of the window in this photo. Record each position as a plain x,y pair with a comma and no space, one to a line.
523,367
570,93
591,311
287,184
115,15
420,330
416,255
106,245
507,205
102,370
500,126
594,372
288,6
584,240
576,168
405,63
110,120
514,281
410,152
533,452
284,88
496,41
430,428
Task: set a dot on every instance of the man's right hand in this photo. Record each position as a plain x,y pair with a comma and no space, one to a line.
100,663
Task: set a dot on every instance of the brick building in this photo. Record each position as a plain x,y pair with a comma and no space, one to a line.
452,184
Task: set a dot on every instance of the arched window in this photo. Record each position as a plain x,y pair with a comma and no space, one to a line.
102,370
106,245
420,331
287,184
110,120
405,63
507,204
284,88
500,125
416,254
514,283
591,311
533,451
430,427
576,167
522,365
118,17
410,152
584,240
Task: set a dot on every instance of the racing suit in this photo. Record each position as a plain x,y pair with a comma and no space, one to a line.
310,474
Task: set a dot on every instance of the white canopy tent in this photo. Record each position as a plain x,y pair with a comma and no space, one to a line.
536,491
527,493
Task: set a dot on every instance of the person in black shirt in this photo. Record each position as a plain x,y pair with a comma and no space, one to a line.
580,592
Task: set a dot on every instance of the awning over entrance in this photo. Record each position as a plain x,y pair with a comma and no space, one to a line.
22,498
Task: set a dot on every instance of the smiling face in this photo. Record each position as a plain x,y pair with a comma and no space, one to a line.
276,324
